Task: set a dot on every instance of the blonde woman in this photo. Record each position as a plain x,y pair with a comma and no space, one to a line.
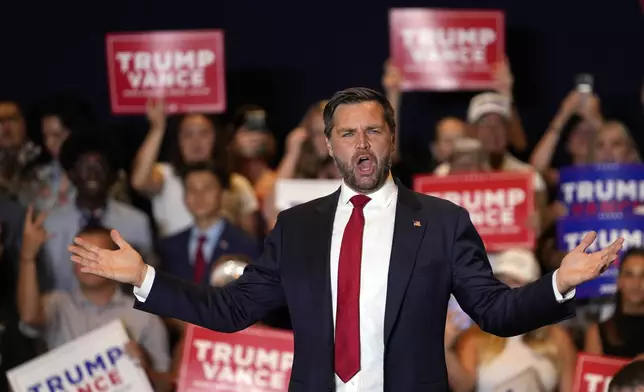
542,360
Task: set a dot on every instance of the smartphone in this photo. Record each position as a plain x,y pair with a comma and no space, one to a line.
255,120
584,83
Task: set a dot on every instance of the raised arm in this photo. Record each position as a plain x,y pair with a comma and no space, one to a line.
504,83
29,297
392,83
505,312
146,177
227,309
541,157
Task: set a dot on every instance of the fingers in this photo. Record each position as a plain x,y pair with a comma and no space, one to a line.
586,241
40,219
94,271
87,245
610,254
29,217
83,262
616,246
83,253
118,240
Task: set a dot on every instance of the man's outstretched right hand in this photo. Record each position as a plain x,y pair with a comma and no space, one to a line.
124,265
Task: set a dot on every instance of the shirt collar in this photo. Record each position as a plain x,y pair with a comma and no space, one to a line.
382,197
210,233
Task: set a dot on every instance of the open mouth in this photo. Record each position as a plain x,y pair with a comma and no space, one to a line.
366,164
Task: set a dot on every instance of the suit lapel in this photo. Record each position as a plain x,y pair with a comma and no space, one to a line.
409,229
318,247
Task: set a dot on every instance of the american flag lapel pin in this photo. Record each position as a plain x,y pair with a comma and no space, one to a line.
417,223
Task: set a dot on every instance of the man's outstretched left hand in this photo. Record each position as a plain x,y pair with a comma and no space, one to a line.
579,267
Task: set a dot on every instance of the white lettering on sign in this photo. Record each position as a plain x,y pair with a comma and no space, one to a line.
632,239
451,45
169,69
597,382
244,365
602,190
488,207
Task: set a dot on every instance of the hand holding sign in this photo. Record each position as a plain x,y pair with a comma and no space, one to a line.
124,265
579,267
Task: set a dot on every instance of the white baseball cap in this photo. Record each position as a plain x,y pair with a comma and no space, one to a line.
487,103
520,264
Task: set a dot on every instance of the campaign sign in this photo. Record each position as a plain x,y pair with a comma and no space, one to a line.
446,49
500,204
292,192
602,190
570,232
257,359
186,68
594,372
94,362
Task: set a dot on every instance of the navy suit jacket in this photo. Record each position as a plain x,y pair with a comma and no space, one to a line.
443,255
174,252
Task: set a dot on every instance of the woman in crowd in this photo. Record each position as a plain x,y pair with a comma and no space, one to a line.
614,144
253,149
306,153
623,334
47,186
306,157
198,139
543,359
584,113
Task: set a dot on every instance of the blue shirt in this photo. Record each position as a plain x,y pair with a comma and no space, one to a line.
212,234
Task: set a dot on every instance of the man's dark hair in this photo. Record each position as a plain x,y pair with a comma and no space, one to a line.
84,142
96,228
630,377
357,95
220,171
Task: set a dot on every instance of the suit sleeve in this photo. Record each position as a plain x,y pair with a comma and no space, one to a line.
226,309
495,307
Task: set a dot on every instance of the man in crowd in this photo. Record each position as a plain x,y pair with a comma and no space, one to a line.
490,115
16,344
91,166
64,316
191,254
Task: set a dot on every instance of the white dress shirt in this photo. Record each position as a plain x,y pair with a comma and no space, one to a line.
379,215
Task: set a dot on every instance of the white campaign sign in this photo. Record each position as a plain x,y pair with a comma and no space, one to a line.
95,361
291,192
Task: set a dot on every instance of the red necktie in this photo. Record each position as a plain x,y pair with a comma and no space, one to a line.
347,320
200,261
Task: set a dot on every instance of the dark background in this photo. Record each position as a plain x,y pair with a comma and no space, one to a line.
284,56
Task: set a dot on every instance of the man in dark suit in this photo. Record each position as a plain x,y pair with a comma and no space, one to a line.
192,253
366,272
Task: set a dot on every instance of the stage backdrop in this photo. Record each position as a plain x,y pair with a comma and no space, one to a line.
286,56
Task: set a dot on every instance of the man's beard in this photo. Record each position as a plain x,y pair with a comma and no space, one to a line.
365,184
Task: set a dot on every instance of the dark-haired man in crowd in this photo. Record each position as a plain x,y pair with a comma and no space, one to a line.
16,345
92,168
191,253
61,316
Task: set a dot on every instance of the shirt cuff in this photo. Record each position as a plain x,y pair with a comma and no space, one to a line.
141,293
561,298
